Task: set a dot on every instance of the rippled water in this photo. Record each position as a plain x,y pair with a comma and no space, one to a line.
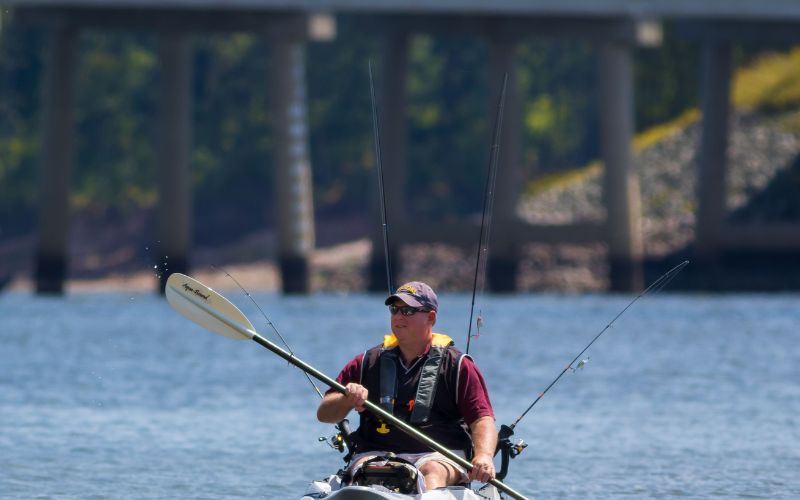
116,396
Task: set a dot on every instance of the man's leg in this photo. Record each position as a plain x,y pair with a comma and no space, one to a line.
439,474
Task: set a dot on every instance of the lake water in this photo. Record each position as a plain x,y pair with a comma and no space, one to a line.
114,395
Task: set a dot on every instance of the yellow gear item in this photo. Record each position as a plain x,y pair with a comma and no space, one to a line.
439,340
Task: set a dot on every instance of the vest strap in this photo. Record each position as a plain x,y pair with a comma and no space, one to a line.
388,393
426,390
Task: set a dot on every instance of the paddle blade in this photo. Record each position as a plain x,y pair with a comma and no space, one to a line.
207,308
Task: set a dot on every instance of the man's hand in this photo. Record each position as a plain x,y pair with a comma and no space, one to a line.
482,468
335,405
484,441
355,395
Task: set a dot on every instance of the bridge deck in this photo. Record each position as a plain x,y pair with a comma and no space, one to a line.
751,10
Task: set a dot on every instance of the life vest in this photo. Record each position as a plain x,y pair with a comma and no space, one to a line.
425,396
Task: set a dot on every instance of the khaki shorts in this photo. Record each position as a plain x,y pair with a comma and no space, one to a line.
418,459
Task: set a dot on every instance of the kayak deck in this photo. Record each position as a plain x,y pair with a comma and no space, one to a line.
326,490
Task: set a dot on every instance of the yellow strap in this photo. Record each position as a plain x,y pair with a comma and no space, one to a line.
439,340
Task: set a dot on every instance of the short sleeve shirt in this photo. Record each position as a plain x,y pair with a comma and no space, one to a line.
473,398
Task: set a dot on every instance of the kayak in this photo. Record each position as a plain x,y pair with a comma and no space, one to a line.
332,489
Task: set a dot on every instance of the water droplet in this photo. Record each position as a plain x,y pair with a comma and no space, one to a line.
155,267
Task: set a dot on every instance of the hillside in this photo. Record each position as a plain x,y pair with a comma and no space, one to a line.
763,176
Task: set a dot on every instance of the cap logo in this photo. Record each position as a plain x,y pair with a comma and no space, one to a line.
407,288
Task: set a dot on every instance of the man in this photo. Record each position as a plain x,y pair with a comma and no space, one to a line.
422,379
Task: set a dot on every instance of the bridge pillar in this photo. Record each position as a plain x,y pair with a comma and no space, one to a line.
503,263
56,166
392,112
621,191
293,193
715,95
174,150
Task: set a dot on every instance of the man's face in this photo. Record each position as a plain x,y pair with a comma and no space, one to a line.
410,327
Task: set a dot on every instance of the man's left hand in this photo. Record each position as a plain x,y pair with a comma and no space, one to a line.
482,468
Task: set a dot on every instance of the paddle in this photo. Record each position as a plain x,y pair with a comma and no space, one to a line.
214,312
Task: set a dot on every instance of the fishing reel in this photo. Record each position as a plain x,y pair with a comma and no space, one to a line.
336,441
341,440
507,449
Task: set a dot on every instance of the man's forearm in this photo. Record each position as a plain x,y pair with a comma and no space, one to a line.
333,408
484,436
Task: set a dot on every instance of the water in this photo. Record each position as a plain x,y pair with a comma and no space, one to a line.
109,395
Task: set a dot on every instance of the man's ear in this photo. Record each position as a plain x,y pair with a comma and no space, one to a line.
432,318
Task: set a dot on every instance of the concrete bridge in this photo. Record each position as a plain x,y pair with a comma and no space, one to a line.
614,27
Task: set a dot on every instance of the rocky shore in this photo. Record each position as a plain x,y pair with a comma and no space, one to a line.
762,185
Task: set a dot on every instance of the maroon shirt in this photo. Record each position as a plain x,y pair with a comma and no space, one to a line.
473,398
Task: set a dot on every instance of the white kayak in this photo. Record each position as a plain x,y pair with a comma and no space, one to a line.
332,489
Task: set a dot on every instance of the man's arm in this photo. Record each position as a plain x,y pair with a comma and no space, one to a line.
474,405
484,441
335,405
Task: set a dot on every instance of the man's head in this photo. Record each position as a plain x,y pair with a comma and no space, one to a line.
415,294
412,309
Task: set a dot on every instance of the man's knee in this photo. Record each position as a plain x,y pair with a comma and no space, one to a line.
438,474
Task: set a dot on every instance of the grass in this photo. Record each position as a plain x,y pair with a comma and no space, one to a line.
771,84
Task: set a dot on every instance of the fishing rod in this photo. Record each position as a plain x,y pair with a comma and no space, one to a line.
342,438
504,443
384,223
486,214
269,322
207,308
656,286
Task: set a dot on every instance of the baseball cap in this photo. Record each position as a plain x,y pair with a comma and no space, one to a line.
416,294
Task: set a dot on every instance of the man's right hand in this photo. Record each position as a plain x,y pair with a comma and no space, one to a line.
335,406
356,394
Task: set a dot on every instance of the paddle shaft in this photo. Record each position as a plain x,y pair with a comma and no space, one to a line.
377,410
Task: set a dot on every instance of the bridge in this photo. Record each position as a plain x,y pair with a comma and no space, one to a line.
614,27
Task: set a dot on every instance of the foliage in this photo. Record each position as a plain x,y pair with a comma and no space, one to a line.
450,112
115,113
771,83
20,71
340,119
232,144
667,80
448,133
559,118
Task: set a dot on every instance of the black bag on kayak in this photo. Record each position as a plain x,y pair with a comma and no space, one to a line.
395,474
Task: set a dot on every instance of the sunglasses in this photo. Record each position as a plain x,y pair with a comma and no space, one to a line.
404,310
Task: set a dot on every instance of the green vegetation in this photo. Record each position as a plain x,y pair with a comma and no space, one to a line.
771,83
449,119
